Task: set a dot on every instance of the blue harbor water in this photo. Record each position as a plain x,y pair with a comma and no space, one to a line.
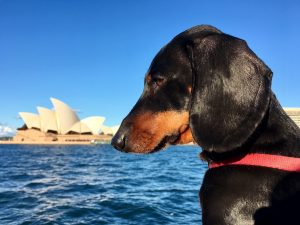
99,185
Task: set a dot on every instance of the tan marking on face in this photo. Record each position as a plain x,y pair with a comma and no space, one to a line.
190,89
185,137
148,78
149,129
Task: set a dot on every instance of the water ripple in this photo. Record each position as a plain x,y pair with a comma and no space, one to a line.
98,185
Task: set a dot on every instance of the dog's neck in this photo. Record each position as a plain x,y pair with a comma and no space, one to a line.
277,134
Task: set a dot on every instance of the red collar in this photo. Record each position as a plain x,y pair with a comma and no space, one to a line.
280,162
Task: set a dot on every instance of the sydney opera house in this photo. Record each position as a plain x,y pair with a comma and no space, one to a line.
62,126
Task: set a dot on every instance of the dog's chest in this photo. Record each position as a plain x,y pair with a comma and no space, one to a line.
242,195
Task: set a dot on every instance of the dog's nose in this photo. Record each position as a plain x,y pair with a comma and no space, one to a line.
119,141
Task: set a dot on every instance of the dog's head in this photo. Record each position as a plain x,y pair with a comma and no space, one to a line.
203,86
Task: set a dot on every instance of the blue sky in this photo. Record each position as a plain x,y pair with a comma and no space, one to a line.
93,54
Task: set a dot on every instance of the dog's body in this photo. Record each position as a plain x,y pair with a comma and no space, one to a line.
209,87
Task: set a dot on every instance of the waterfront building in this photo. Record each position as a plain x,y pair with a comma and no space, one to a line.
61,125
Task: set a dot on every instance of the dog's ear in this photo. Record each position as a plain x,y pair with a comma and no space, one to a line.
230,94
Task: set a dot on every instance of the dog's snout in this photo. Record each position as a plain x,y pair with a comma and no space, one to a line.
119,141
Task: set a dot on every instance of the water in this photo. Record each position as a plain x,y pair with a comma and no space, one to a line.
99,185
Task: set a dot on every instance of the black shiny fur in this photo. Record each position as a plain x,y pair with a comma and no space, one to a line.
232,112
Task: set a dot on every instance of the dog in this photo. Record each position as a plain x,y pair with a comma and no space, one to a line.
210,88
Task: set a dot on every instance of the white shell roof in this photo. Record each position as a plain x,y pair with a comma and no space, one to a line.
63,120
94,123
115,129
31,120
80,127
110,130
48,119
65,116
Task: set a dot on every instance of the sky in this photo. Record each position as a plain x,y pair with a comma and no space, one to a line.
94,54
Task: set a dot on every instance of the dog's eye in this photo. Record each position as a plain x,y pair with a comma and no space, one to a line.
157,81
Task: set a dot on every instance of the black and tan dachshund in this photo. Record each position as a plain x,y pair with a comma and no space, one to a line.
209,87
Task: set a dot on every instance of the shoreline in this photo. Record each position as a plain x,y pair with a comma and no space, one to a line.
66,143
51,143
